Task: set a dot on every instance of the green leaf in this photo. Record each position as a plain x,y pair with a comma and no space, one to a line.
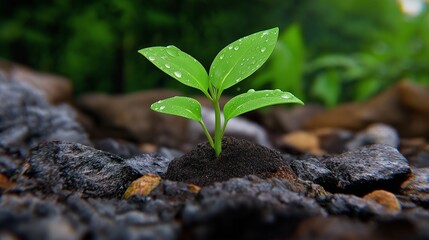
179,106
241,58
256,99
179,65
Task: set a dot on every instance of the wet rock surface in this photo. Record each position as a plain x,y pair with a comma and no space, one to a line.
57,184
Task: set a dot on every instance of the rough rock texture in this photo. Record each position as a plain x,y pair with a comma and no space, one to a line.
312,169
149,163
367,169
30,217
121,148
27,119
358,172
350,205
238,159
55,167
247,208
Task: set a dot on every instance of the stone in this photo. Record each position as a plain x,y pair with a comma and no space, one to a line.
377,133
56,89
283,120
149,163
351,206
27,119
367,169
416,150
129,117
385,199
238,158
118,147
416,188
57,167
399,106
31,217
303,142
227,210
142,186
313,170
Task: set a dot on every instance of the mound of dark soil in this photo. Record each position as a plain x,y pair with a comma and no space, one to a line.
239,158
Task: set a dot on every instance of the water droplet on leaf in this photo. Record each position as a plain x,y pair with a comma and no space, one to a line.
230,47
251,91
172,51
151,58
161,108
286,96
236,48
167,65
221,57
263,49
178,74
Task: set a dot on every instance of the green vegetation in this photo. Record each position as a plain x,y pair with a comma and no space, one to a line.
329,51
232,65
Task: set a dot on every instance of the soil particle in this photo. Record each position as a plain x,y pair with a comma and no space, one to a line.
238,159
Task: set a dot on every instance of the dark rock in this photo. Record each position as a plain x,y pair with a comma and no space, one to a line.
375,134
314,170
149,163
351,206
27,119
29,217
416,188
120,148
367,169
55,167
247,208
238,158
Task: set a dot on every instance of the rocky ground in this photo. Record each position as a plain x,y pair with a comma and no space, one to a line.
106,167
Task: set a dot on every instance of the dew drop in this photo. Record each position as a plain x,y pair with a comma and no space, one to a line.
178,74
251,90
160,101
167,65
264,34
161,108
278,90
221,57
151,58
230,47
238,80
263,49
286,96
172,51
236,48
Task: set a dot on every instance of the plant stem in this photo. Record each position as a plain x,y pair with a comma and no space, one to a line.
218,130
206,132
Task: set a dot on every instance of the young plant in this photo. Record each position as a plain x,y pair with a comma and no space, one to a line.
233,64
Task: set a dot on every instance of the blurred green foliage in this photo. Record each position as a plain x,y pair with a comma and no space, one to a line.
329,50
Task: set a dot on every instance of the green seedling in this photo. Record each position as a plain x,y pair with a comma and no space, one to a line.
233,64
